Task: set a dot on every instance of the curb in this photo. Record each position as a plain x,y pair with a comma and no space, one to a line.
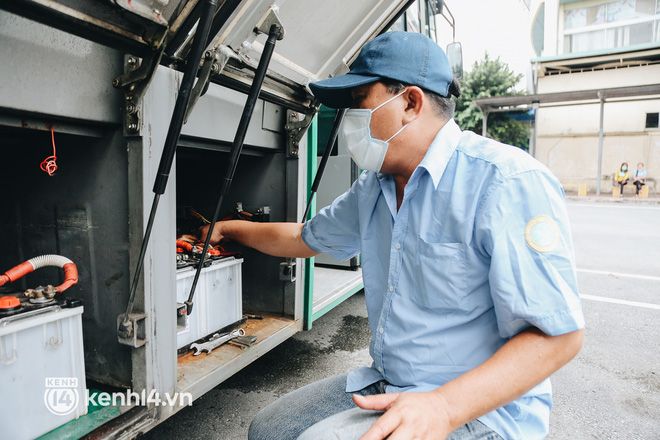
610,199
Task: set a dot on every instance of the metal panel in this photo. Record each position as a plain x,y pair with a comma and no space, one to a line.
46,71
154,364
218,112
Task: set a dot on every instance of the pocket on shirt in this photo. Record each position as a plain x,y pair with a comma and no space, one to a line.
440,275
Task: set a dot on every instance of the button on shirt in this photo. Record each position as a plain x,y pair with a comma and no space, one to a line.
479,250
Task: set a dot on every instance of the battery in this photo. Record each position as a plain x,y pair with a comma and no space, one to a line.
218,300
42,367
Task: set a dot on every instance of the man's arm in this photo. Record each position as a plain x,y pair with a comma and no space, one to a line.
518,366
277,239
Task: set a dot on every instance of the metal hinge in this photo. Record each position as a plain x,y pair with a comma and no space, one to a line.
135,82
296,126
215,61
134,333
270,18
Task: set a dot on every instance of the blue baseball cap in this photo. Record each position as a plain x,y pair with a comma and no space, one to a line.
407,57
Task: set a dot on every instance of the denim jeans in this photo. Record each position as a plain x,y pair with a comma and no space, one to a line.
324,411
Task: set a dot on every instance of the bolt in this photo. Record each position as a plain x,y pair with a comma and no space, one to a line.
208,55
116,83
50,291
132,127
131,108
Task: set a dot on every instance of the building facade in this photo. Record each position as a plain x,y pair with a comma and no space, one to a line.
597,45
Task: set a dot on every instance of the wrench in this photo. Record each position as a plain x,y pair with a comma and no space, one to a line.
217,342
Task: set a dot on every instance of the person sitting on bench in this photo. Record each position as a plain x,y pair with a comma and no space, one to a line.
639,178
621,177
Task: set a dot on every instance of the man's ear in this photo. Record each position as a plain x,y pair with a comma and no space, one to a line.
415,102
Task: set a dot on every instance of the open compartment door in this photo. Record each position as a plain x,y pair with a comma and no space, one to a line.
320,38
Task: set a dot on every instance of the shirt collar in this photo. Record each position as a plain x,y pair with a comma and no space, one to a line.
440,151
442,148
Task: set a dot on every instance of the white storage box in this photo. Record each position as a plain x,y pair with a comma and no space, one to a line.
218,299
42,371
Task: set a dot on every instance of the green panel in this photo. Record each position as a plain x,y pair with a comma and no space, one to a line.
325,119
96,416
312,147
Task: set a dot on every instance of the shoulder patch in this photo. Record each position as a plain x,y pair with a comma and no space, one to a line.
542,234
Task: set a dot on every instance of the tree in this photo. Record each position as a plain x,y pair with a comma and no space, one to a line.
490,78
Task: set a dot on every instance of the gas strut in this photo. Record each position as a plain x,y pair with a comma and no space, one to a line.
237,146
125,329
324,160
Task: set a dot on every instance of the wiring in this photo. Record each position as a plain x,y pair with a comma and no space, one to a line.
198,216
70,270
49,165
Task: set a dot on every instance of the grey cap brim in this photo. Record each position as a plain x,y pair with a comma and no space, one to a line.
336,92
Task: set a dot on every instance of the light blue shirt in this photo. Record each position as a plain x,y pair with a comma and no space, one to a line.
479,250
640,174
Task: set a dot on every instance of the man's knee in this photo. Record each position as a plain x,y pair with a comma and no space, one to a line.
274,422
258,429
347,425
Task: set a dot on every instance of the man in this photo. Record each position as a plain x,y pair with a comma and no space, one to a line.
467,259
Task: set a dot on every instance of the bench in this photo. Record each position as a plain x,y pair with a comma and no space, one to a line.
643,192
581,188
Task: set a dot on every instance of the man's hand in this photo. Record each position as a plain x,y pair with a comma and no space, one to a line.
217,236
422,416
276,239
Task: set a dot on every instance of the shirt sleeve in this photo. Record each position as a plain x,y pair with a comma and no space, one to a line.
523,228
335,229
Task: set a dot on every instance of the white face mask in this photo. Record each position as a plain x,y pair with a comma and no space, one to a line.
355,133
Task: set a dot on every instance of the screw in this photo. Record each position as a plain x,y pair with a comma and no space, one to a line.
131,108
132,127
131,61
116,83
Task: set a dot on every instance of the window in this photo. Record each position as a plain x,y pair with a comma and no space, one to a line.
652,120
611,24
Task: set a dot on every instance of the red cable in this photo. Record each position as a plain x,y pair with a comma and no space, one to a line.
49,165
70,277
